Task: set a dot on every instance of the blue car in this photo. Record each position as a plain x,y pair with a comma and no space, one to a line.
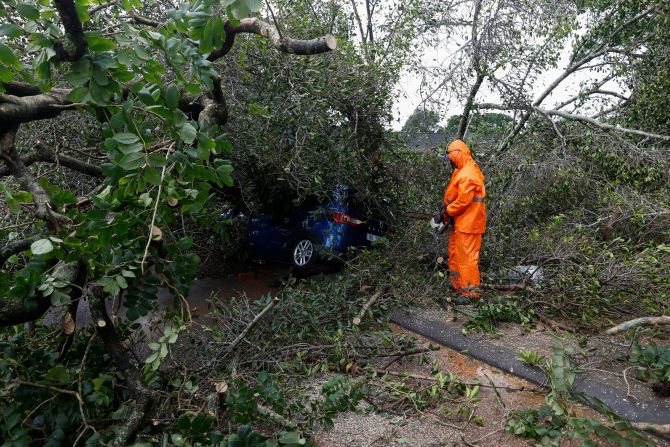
303,235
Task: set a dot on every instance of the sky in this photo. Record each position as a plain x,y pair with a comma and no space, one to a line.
408,95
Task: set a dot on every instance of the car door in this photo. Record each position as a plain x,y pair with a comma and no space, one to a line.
265,238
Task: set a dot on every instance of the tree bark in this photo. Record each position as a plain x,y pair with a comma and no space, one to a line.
73,45
465,117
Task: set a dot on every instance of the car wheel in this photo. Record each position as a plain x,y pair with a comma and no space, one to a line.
303,253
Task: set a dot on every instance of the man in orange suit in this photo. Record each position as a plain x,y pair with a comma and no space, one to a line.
465,206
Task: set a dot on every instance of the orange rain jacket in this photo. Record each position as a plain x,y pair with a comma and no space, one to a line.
465,194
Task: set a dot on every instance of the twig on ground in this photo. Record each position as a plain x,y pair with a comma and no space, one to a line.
408,353
251,325
625,379
357,320
434,379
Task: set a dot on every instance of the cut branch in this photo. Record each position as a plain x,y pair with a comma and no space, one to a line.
356,321
644,321
251,325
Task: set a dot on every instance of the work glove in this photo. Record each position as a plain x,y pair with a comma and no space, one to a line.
437,226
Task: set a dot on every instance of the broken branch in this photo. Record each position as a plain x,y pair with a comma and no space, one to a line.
251,325
356,321
644,321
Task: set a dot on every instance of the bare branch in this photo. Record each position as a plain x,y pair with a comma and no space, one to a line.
644,321
101,7
584,94
26,180
593,122
42,154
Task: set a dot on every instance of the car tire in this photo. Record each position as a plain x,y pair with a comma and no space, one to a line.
303,253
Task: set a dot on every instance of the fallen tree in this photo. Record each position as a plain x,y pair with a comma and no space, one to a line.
151,84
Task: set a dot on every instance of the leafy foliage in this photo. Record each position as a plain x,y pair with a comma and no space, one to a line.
652,361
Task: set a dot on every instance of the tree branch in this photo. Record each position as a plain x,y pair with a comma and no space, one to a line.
25,108
73,45
214,107
593,122
16,247
644,321
257,26
23,176
42,154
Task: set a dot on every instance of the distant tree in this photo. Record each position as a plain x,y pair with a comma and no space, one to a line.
481,126
422,120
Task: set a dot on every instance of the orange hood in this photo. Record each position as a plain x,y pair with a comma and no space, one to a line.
459,153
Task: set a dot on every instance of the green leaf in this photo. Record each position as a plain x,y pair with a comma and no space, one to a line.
254,5
7,57
96,42
188,133
27,11
290,437
121,281
126,138
131,148
156,159
132,161
10,30
23,196
152,176
58,375
100,75
172,97
41,247
206,42
78,94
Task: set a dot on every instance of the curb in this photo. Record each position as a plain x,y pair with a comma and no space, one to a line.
505,359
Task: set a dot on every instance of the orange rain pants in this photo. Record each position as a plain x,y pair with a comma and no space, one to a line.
464,262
